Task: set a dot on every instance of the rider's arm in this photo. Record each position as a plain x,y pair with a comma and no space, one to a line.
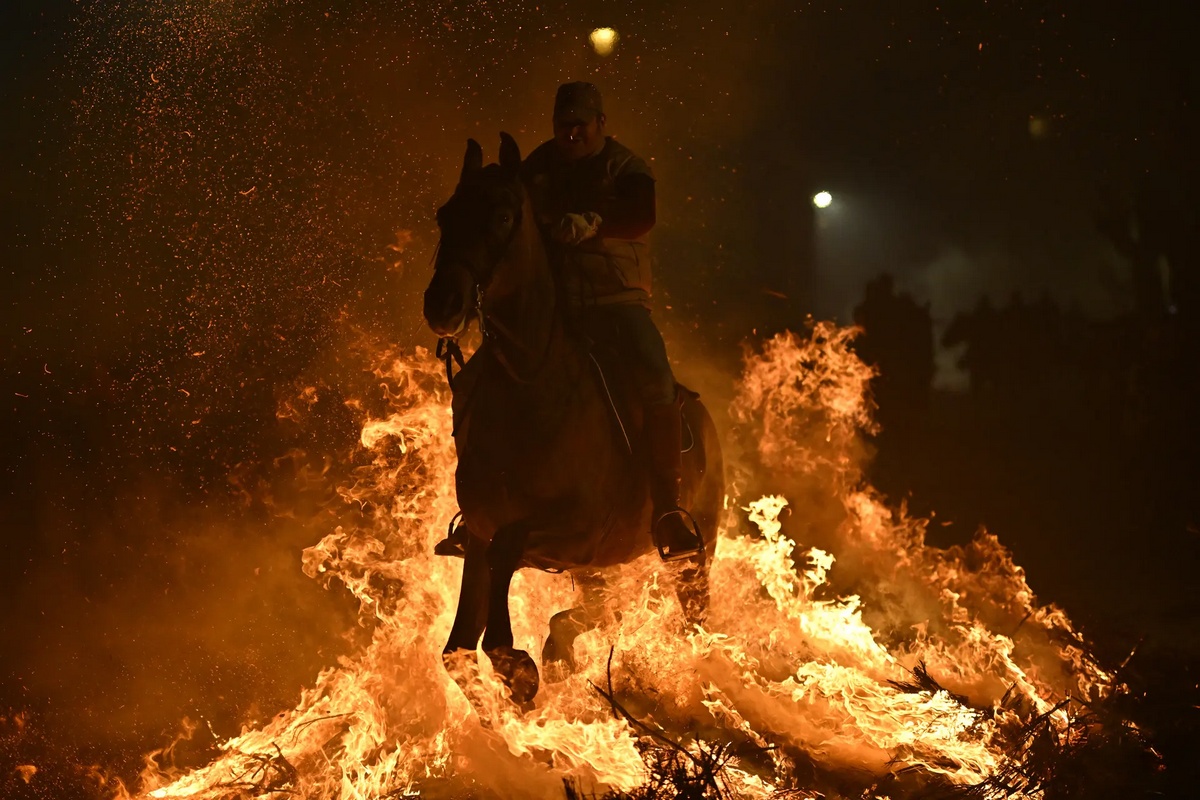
631,212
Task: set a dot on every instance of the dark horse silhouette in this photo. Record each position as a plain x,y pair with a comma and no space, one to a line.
547,476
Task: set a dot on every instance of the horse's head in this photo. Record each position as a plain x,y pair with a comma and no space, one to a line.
478,225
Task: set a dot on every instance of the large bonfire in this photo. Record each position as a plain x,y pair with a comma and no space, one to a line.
842,656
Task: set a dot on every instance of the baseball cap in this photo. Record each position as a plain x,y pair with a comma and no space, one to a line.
579,100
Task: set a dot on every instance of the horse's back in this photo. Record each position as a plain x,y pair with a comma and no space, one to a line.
581,482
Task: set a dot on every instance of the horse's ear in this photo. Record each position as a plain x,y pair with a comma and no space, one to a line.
510,153
473,160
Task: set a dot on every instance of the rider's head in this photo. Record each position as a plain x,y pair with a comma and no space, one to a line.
578,120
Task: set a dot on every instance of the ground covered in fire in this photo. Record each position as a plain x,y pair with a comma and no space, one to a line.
844,655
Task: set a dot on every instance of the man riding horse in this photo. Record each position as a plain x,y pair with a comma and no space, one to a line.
594,202
551,473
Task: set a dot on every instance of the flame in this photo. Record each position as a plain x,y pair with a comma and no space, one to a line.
806,650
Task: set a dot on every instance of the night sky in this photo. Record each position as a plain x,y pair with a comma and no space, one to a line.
207,205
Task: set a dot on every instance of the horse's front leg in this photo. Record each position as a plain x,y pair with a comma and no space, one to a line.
471,616
515,667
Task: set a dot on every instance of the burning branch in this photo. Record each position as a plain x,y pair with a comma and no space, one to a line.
672,766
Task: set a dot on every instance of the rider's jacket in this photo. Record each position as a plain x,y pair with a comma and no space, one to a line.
605,269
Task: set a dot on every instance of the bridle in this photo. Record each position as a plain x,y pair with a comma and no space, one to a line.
491,328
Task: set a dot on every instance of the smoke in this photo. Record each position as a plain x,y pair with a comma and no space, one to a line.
215,205
1090,281
221,194
212,203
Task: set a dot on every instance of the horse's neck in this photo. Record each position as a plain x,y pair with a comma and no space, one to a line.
523,301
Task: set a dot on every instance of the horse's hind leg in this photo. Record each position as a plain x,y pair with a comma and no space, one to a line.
558,658
691,587
517,669
704,476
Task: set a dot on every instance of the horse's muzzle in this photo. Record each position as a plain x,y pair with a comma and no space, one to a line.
448,300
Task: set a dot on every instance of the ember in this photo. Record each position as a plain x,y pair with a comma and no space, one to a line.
216,213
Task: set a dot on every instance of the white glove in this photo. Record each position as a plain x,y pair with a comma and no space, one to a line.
576,228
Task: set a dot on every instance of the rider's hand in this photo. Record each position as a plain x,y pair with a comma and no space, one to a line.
576,228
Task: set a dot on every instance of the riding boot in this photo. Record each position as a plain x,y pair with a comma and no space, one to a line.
674,537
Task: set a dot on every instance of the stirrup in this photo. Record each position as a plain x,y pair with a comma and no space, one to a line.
455,543
678,555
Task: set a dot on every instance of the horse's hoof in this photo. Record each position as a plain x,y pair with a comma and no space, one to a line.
519,673
695,614
557,670
558,662
462,666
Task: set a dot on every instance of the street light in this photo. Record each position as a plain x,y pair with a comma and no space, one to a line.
822,199
604,40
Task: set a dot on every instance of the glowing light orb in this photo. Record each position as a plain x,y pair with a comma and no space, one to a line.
604,40
822,199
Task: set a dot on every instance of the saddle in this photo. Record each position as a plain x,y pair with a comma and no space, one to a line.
613,378
615,382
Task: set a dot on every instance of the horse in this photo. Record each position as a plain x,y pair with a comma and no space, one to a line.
548,476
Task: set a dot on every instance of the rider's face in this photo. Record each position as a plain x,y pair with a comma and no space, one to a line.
577,137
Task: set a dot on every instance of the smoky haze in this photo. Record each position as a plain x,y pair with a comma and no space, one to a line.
215,213
211,208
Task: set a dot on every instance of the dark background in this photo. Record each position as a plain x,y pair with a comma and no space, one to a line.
208,208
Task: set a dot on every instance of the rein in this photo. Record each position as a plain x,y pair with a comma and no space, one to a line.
449,352
495,324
